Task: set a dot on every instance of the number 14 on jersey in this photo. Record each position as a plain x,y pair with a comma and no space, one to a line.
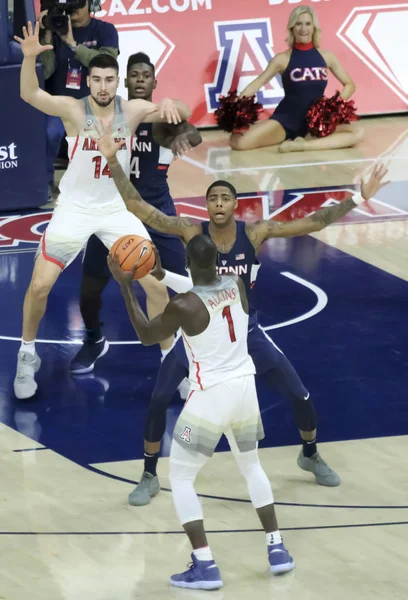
105,172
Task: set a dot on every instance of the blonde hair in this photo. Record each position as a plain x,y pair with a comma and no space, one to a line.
294,15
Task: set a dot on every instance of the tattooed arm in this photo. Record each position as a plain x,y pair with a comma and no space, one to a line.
263,230
148,214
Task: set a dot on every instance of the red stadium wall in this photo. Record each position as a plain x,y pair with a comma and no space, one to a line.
206,47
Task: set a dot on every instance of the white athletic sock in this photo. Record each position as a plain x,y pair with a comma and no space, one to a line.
28,347
273,538
203,553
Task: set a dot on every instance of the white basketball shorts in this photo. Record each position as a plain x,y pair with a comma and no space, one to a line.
69,230
230,407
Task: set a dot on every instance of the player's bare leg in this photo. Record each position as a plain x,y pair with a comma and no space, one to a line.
44,276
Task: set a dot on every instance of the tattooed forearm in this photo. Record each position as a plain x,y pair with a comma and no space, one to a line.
167,224
330,214
146,212
125,188
264,230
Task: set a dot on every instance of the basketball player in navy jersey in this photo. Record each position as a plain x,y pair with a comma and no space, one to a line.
304,68
238,244
213,318
154,150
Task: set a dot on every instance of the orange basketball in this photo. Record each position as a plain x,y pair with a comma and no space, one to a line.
132,249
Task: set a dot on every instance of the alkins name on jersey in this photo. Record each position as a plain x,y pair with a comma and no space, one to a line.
222,296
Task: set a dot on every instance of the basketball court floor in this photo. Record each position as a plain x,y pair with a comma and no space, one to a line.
335,302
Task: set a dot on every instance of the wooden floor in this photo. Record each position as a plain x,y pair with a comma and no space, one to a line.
68,533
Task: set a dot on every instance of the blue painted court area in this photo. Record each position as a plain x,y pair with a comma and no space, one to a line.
351,355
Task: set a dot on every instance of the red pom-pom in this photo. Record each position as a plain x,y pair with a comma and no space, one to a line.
326,113
235,113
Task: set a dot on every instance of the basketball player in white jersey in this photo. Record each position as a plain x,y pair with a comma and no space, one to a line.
213,317
89,202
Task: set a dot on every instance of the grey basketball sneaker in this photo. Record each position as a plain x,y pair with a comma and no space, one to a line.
25,385
147,488
320,469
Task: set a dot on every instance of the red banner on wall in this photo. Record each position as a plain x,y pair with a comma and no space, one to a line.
204,48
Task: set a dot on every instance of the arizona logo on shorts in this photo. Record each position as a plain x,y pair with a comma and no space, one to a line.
186,435
245,49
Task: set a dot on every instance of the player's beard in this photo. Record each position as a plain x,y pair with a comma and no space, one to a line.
103,103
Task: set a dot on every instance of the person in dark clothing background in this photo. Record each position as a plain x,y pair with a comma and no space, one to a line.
66,66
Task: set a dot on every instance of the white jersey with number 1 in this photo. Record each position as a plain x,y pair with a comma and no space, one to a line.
221,351
87,183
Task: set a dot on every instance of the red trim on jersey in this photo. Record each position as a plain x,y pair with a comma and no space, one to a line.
196,364
300,46
189,396
163,167
74,149
49,258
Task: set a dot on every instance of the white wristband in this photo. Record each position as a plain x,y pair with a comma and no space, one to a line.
358,199
176,282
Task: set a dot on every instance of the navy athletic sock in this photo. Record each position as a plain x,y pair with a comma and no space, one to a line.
309,448
94,335
150,461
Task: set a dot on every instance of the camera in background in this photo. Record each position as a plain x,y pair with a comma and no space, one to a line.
58,10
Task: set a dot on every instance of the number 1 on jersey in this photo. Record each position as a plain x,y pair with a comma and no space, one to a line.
226,313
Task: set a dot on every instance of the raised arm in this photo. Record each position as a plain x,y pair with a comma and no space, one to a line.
167,111
274,67
161,115
30,91
263,230
158,329
135,204
179,138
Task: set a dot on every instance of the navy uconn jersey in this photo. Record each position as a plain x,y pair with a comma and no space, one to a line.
304,81
152,161
242,261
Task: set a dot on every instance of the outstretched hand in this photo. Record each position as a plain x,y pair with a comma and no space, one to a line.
30,44
375,182
108,146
